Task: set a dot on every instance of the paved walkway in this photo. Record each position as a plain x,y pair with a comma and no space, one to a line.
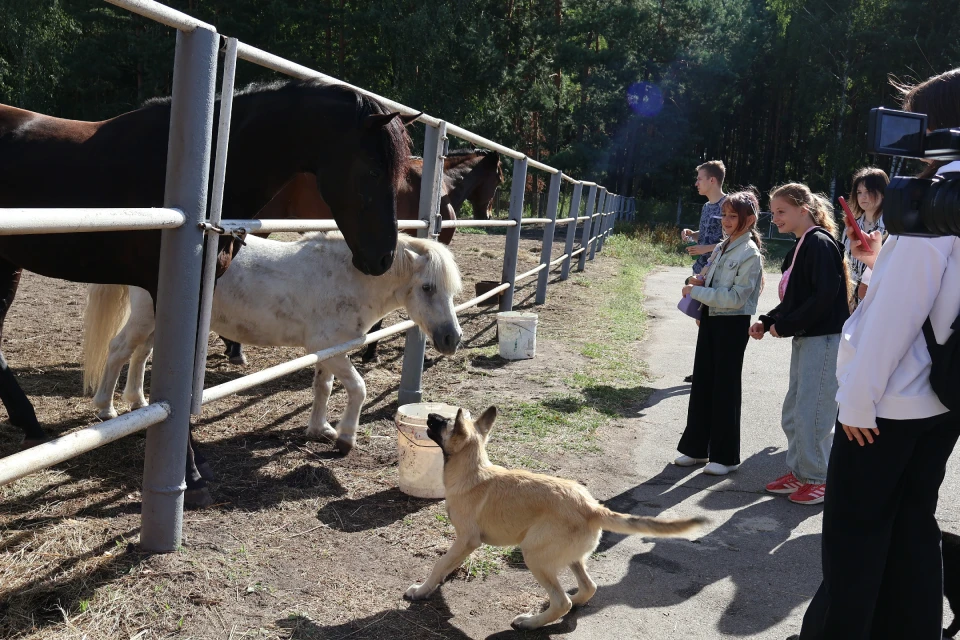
755,568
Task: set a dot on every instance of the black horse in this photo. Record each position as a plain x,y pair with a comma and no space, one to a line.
356,149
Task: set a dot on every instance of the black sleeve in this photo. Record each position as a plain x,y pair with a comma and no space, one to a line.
823,265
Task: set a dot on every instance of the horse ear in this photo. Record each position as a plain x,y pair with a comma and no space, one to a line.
379,120
408,120
412,255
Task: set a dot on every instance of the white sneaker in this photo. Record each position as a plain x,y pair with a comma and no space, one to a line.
717,469
687,461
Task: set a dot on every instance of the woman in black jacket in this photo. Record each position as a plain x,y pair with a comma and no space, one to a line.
814,294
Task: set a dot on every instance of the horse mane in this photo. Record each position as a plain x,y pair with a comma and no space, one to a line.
396,141
442,268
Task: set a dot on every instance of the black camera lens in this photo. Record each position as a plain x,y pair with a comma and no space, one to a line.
918,207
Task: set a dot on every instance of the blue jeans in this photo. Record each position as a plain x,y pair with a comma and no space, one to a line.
810,408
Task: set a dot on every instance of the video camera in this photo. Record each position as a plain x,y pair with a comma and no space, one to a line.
917,206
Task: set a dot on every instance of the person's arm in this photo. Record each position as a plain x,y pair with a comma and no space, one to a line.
901,303
828,277
734,297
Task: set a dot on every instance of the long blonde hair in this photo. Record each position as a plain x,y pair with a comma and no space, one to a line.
821,212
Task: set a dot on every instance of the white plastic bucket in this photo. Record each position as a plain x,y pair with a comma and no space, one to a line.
517,331
421,460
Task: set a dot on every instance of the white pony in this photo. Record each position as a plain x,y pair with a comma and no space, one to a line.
306,294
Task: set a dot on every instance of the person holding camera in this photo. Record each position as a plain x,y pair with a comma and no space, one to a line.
882,566
866,203
709,183
728,291
814,293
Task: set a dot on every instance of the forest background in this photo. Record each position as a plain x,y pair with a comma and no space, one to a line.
632,93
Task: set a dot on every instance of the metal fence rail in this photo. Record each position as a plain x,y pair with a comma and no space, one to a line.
180,347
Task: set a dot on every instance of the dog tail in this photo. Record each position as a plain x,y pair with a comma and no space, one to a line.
627,524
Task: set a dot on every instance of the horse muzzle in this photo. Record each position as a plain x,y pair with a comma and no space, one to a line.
447,339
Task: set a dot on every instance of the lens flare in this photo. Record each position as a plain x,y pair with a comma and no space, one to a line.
645,99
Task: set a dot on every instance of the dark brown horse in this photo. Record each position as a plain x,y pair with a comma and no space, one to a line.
469,175
356,150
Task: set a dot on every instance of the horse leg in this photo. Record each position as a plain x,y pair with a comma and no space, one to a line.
319,428
133,389
19,410
121,349
370,353
356,393
234,351
197,494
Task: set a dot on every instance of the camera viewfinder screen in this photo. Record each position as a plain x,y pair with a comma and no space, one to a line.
901,133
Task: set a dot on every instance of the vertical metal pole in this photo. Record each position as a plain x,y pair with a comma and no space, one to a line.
512,247
587,227
213,240
546,247
574,213
188,168
607,221
601,208
415,346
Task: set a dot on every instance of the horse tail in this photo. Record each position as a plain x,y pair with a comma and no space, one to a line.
108,308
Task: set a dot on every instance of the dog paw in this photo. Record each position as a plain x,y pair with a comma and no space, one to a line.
525,621
416,592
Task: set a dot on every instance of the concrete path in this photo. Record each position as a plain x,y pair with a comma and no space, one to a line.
753,571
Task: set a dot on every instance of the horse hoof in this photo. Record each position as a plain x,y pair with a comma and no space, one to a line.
344,446
107,414
197,498
29,443
206,471
326,433
367,358
240,360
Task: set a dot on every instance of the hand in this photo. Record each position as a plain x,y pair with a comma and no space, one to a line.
687,289
854,433
773,331
858,252
757,331
699,249
686,235
697,280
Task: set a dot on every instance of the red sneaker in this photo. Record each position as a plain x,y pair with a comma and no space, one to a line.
809,494
785,484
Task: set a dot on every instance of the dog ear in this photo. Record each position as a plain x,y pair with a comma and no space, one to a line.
484,423
459,424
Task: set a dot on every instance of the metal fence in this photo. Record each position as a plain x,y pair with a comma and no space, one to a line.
181,348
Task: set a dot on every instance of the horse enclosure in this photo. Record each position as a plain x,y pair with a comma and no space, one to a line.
186,279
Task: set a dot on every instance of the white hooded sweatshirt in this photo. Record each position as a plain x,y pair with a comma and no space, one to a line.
883,365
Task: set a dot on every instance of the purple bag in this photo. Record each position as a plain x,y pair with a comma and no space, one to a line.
690,307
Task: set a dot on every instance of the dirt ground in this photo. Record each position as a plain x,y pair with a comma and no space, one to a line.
300,542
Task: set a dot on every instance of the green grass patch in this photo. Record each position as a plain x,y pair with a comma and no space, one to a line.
488,561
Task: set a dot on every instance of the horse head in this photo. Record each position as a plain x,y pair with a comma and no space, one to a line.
360,183
432,281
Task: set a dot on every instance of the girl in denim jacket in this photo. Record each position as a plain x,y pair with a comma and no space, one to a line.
728,290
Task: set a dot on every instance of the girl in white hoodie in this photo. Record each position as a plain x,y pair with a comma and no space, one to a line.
882,569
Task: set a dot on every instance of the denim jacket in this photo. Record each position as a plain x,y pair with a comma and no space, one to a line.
732,280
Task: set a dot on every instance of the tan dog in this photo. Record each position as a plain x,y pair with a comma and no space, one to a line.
556,522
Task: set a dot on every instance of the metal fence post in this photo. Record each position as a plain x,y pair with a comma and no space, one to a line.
415,345
601,207
574,213
188,167
512,247
587,227
546,247
213,240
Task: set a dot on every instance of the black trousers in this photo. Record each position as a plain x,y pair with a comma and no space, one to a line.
713,416
882,568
